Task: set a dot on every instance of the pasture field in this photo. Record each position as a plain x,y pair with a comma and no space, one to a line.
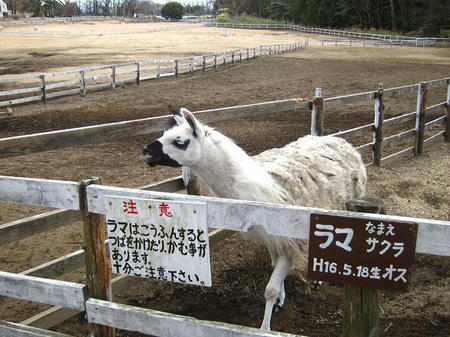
106,42
416,186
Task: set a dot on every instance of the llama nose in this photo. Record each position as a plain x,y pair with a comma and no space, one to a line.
146,150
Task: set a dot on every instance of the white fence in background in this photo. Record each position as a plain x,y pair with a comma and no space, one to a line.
34,88
396,39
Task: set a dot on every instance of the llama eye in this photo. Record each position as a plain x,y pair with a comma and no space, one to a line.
182,145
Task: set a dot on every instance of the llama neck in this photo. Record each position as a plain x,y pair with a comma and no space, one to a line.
231,173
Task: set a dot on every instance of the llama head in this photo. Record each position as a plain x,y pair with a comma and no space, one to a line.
179,146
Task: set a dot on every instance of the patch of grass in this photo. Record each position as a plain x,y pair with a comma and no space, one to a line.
245,18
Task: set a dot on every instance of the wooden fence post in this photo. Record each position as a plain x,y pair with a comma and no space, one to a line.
176,68
191,65
420,117
215,61
204,63
224,56
361,305
82,83
447,116
113,77
378,126
317,114
190,181
232,57
98,275
43,89
159,69
138,72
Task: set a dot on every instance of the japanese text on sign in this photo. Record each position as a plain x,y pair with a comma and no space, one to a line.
157,239
362,252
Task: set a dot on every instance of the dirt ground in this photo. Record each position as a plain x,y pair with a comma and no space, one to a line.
416,186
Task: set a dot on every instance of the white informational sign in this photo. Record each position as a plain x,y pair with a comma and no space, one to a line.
159,239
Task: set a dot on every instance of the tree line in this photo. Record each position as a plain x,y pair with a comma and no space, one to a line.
67,8
429,17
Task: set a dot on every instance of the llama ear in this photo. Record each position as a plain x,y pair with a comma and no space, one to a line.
177,116
189,117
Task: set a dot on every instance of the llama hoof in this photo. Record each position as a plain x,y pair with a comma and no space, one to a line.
278,306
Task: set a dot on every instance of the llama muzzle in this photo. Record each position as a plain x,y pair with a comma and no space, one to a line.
153,155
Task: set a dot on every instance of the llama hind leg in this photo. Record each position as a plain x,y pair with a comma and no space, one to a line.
274,293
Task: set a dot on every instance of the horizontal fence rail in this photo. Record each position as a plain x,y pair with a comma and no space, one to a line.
235,215
20,330
51,140
67,294
157,323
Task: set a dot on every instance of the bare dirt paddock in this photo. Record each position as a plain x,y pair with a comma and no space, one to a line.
414,187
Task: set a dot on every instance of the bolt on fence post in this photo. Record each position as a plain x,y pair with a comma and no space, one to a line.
378,126
317,114
98,276
361,305
420,117
82,83
447,116
43,89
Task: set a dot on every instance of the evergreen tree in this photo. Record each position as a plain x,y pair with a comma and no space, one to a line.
172,10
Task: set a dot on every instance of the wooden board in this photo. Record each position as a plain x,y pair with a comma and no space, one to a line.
20,229
292,221
57,267
53,292
349,99
159,323
40,192
18,145
399,136
355,132
19,330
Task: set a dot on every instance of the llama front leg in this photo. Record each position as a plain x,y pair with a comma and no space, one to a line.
274,293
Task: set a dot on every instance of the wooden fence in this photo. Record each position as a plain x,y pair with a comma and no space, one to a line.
404,40
42,87
433,237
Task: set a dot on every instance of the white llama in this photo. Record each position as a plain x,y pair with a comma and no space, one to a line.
312,171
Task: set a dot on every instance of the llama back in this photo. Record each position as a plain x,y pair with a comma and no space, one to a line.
317,171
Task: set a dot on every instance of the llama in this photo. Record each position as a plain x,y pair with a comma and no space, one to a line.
312,171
